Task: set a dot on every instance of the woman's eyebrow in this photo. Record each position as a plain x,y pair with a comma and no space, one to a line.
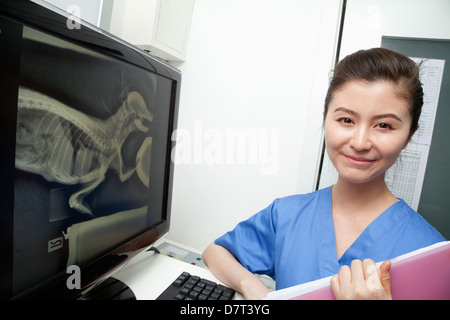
387,115
377,117
346,110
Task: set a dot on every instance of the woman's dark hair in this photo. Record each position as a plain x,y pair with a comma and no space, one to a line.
379,64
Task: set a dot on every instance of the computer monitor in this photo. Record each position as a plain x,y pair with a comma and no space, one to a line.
85,168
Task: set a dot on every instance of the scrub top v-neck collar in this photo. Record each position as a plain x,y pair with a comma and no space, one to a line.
373,232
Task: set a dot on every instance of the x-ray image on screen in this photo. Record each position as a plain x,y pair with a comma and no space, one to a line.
88,135
67,146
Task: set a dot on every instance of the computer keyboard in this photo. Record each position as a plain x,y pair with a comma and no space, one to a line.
189,287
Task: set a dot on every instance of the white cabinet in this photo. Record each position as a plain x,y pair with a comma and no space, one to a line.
159,26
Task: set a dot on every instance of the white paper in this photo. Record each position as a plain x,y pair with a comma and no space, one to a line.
295,291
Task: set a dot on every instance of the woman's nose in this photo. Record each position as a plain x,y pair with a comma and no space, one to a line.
361,139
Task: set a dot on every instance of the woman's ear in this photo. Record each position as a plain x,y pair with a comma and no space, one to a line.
410,136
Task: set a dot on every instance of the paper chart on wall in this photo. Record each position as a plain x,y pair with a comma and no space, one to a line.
405,177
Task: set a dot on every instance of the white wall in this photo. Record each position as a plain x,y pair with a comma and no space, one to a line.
366,21
251,65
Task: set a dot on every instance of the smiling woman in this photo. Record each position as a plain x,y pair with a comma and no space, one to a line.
371,111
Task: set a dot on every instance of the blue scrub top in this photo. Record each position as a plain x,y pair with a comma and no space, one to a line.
293,240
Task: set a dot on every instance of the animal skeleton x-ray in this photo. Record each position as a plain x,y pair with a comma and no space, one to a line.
64,145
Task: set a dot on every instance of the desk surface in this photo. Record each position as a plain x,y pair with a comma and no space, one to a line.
149,274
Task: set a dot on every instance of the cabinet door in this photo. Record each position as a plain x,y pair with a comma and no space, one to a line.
173,21
159,26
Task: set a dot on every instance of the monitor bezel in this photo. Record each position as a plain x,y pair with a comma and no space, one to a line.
54,21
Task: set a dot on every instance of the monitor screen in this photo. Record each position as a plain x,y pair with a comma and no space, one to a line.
86,142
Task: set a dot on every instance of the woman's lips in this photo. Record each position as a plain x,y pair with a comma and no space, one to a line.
359,161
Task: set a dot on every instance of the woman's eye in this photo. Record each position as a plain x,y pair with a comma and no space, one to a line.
346,120
385,126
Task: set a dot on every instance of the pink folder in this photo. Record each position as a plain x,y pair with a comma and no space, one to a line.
423,276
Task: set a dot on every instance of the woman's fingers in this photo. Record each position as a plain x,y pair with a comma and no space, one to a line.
362,281
385,277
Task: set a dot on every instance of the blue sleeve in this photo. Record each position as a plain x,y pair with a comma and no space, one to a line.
252,242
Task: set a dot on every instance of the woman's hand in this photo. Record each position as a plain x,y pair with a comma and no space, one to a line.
363,281
253,288
227,269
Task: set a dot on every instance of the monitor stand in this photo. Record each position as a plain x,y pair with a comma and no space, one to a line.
109,289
